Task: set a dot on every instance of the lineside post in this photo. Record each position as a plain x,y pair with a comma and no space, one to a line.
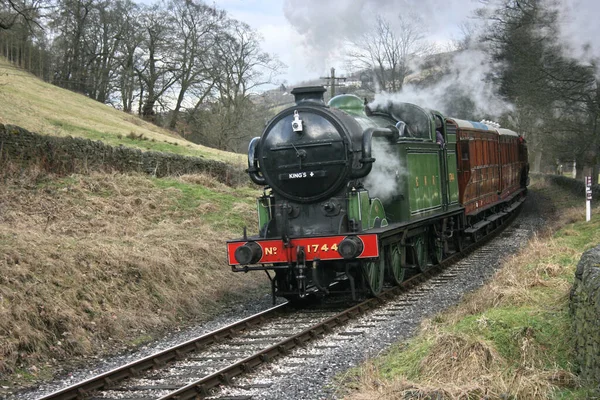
588,198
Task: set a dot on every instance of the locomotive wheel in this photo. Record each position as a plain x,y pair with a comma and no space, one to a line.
396,263
373,272
437,250
420,245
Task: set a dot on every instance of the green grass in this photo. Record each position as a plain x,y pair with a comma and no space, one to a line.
56,183
141,143
404,359
580,235
139,340
6,239
506,327
221,211
575,394
503,328
563,198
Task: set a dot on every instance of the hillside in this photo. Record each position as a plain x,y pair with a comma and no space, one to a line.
104,261
47,109
95,263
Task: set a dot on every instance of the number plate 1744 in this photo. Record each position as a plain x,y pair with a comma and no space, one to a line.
322,248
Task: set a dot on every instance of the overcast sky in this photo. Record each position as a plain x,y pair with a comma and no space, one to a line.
280,38
307,35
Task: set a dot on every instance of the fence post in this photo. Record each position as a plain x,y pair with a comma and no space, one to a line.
588,198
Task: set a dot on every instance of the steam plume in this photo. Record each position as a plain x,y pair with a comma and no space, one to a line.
382,181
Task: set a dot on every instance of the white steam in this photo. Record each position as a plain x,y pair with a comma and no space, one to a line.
580,28
327,26
468,70
387,171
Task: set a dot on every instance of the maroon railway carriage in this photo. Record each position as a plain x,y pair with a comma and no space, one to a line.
492,166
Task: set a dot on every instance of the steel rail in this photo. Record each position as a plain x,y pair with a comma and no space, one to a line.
157,360
201,388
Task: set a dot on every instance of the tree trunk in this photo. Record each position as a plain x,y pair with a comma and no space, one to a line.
175,115
579,167
148,107
537,162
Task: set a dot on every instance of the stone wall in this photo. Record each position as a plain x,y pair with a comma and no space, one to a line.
585,307
66,155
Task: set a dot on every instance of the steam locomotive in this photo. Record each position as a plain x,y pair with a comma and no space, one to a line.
357,196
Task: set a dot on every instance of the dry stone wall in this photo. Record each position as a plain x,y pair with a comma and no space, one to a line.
66,155
585,307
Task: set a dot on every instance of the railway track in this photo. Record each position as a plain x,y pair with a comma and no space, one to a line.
193,369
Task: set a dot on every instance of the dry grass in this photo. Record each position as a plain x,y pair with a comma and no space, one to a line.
520,385
508,340
40,107
100,261
462,367
511,285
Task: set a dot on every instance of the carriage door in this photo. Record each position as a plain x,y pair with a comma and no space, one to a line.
449,158
449,143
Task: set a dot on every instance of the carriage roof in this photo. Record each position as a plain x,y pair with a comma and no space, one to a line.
480,125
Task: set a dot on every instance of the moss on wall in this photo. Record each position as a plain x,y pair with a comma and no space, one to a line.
66,155
585,308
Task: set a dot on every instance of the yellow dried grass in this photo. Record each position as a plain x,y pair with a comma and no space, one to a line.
461,368
456,358
100,260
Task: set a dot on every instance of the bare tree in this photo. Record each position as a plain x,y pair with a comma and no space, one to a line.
11,11
71,56
240,63
158,71
387,48
21,35
107,30
553,94
128,56
173,54
240,67
197,26
575,122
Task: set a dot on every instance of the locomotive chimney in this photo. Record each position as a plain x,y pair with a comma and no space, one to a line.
312,94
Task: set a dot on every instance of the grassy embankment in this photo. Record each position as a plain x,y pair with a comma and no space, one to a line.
43,108
93,264
97,263
511,339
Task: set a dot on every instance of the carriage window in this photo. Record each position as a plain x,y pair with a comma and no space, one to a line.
464,150
486,152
